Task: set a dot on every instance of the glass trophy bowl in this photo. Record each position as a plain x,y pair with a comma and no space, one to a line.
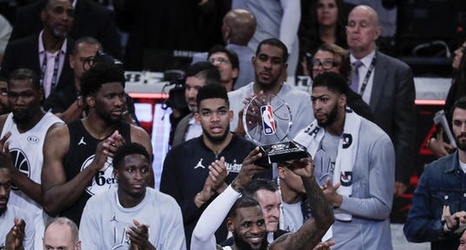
267,122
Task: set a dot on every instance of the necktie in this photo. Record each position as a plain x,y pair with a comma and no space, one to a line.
355,77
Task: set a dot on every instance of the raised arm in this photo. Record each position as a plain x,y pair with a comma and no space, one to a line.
312,231
59,194
211,219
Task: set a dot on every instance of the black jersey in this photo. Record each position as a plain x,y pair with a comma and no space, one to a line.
80,154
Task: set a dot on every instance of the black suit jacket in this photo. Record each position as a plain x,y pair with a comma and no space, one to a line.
24,53
91,19
392,103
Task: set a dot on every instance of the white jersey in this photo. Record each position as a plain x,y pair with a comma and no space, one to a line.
7,221
27,153
104,221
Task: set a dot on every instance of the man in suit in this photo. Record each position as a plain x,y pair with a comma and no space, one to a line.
45,53
91,19
387,85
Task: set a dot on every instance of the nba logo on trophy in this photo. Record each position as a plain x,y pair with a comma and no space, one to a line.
268,123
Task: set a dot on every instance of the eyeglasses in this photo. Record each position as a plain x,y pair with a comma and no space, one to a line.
219,60
327,64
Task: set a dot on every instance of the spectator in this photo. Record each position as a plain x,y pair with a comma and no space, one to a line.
276,19
133,216
323,21
46,52
68,104
387,85
197,75
90,19
436,144
438,207
61,233
237,30
77,164
227,64
331,57
355,164
5,32
4,105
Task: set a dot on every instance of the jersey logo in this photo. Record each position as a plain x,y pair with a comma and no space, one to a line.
82,142
21,162
199,164
33,139
114,218
103,180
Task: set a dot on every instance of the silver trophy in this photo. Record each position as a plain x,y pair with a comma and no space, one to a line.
267,122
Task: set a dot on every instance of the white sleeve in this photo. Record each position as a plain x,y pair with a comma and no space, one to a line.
211,219
290,22
88,231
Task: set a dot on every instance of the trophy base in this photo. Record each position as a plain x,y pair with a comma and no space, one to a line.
280,152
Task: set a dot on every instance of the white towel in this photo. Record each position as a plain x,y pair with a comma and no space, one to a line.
311,138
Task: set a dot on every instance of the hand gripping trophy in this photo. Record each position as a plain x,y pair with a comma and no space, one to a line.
267,122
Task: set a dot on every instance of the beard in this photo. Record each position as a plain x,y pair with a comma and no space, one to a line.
243,245
106,116
22,116
331,117
216,139
460,145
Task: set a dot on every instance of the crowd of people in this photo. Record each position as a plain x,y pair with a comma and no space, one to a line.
76,168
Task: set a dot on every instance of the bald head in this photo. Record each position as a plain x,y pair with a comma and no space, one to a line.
238,27
61,233
362,30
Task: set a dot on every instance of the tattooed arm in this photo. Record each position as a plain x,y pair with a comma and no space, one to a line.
311,232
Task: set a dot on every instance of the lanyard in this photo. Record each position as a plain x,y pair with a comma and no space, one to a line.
55,71
366,78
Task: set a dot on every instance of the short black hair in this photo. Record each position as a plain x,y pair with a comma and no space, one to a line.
274,42
204,70
99,74
25,74
241,203
258,184
232,56
129,149
211,91
333,81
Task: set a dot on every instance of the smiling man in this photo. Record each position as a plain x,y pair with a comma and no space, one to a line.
186,168
132,216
